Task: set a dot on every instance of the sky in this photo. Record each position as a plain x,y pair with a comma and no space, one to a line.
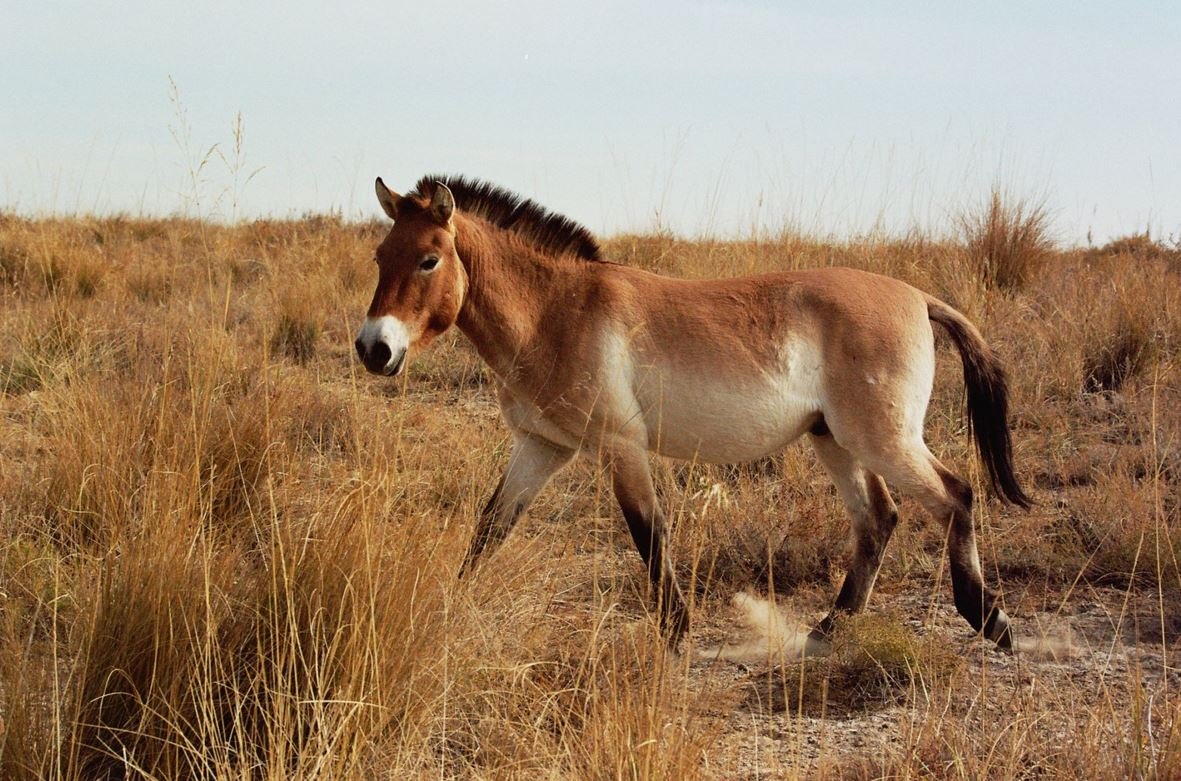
704,118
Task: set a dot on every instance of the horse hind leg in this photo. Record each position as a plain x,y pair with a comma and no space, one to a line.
873,516
949,499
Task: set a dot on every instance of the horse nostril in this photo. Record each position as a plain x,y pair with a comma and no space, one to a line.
379,356
360,349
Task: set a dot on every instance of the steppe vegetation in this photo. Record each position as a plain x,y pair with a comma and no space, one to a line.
227,553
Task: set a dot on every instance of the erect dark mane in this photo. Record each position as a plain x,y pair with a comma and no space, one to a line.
542,228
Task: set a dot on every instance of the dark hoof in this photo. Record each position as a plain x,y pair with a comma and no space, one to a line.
998,630
823,631
1004,641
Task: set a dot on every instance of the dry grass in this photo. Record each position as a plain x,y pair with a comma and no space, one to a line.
874,659
1007,241
225,555
1143,246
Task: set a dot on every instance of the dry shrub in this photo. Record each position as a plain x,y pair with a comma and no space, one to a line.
1120,354
20,374
665,253
313,306
56,257
875,660
36,611
149,283
29,749
451,364
321,422
60,346
15,260
914,258
1121,535
154,619
1141,246
776,524
780,550
296,334
1129,320
601,700
1092,325
1038,732
1007,241
629,724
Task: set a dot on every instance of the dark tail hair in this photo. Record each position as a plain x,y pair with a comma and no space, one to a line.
988,401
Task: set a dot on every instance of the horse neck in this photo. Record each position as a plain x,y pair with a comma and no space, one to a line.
508,284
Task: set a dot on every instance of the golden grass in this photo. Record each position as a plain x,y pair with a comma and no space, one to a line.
224,554
1007,241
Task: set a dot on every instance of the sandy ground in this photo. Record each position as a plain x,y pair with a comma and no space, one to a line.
1085,655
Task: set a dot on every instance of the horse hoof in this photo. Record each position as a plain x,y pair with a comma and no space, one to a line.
999,631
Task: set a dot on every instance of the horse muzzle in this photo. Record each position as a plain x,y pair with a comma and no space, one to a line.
382,344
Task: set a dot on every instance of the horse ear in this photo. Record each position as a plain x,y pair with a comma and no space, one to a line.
387,198
442,204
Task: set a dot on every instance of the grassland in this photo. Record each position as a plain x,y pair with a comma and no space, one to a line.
226,554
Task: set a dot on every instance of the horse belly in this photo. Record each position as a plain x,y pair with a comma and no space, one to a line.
727,422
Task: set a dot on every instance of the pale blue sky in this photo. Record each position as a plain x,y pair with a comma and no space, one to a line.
705,117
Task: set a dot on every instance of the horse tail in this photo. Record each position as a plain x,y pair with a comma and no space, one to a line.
988,401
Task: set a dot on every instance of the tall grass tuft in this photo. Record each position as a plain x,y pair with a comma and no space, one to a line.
206,661
179,436
297,329
1007,241
1121,354
1129,323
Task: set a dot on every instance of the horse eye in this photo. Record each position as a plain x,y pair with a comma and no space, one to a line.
429,264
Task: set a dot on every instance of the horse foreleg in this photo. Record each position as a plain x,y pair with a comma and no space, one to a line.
632,483
532,463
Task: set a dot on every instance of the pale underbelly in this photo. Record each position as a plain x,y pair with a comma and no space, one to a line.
724,424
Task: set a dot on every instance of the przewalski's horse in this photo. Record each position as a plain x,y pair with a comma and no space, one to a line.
614,362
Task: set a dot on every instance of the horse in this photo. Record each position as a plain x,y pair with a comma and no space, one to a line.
597,358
